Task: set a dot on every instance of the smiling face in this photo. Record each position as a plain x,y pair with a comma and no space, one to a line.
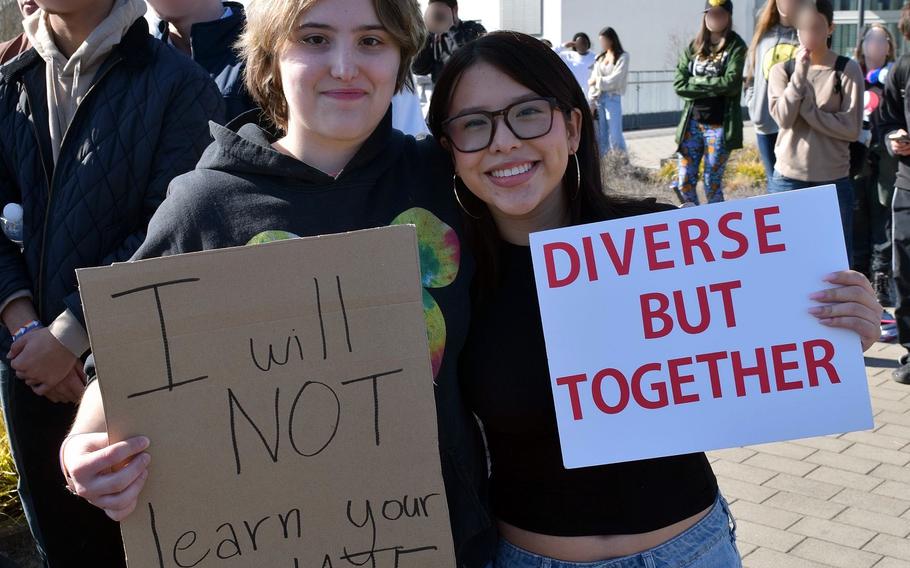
338,71
515,178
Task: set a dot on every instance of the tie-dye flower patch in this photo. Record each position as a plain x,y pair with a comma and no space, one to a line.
440,260
271,237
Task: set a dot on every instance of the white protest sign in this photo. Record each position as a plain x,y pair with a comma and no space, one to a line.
689,330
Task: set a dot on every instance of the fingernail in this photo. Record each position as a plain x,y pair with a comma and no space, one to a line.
144,442
146,459
817,310
818,296
827,322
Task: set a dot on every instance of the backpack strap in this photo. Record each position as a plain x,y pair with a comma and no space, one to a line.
839,67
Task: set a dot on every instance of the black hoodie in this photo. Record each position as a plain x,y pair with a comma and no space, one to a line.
244,191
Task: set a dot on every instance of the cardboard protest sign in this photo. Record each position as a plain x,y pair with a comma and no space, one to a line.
288,394
689,330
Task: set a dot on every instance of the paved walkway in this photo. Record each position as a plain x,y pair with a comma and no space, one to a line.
840,501
648,147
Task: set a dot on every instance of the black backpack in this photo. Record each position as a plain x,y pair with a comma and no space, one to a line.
858,150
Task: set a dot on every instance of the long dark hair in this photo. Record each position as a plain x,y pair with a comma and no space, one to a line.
529,62
615,44
702,44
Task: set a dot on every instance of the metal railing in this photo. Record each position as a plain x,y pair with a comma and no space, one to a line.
650,100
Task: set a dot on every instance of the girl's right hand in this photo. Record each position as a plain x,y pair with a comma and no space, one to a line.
803,60
109,476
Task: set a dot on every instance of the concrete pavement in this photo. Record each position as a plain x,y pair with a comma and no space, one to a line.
839,501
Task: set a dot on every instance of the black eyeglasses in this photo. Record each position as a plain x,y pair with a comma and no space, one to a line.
474,131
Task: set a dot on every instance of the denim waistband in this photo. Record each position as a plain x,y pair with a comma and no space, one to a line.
682,549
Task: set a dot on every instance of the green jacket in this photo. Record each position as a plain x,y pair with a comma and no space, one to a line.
730,85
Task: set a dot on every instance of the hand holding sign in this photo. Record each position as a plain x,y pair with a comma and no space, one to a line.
852,305
689,330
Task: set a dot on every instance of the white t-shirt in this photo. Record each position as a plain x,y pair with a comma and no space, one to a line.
407,114
580,65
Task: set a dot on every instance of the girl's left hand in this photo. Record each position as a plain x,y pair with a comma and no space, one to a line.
851,304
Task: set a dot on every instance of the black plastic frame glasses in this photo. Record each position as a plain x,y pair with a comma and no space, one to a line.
491,116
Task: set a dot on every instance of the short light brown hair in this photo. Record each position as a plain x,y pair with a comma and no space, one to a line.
270,24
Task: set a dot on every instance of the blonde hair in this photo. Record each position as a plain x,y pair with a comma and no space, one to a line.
767,19
270,24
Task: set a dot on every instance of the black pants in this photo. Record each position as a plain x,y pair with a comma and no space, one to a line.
901,231
871,228
68,531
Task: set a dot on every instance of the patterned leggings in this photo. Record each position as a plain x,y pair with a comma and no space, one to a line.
702,140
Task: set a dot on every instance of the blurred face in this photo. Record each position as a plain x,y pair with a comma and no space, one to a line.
813,30
176,10
788,8
70,7
439,17
605,43
338,71
876,46
717,20
27,7
516,178
582,45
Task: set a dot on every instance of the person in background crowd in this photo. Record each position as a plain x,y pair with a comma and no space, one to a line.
875,169
894,127
407,113
447,33
12,48
606,88
774,42
113,116
321,158
206,31
578,56
709,77
817,99
534,134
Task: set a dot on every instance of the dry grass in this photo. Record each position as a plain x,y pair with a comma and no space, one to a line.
745,177
10,510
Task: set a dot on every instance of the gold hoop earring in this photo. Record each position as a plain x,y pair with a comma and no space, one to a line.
577,177
458,199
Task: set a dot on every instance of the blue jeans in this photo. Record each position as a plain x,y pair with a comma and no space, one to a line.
609,124
844,187
765,143
710,543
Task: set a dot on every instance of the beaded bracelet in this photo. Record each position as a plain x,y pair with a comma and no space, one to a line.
31,326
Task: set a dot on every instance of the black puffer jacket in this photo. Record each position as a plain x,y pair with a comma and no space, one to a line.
144,121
